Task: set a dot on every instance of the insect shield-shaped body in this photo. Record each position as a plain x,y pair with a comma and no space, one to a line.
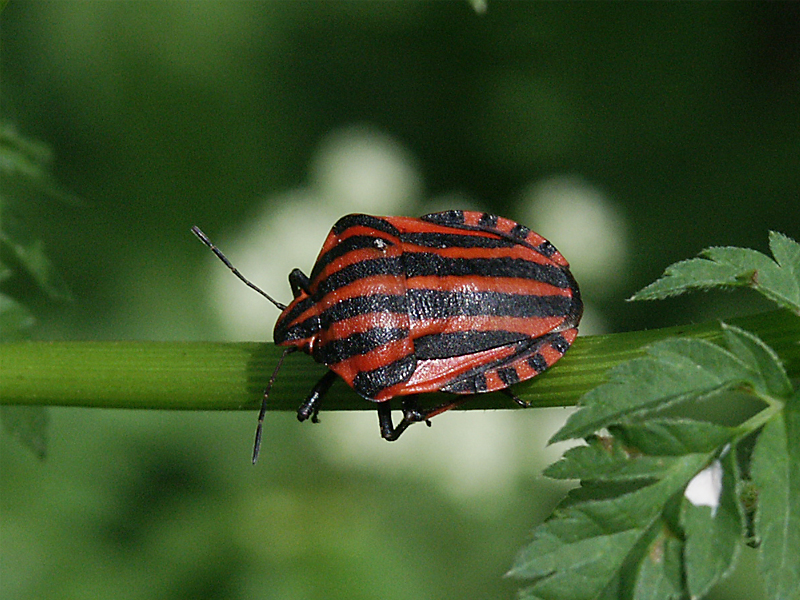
458,301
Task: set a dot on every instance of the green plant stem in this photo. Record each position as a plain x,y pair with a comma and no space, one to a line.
232,376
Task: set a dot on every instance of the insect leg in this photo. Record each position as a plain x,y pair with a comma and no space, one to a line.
299,282
515,398
310,407
388,431
411,414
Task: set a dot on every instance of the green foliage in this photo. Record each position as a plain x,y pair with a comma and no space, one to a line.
28,424
25,269
26,272
678,370
736,267
664,498
776,473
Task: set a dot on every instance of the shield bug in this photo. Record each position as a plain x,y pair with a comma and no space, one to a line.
457,301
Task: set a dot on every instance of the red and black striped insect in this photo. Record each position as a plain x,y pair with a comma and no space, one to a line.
458,301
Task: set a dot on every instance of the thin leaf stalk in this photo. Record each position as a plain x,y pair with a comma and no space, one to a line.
761,418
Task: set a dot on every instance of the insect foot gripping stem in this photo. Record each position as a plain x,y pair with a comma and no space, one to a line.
310,407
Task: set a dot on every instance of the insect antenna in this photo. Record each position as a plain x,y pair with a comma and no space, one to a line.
204,238
259,428
264,398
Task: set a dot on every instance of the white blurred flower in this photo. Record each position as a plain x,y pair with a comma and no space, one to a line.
469,455
360,169
586,227
706,487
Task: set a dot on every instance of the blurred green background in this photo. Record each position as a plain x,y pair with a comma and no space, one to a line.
631,135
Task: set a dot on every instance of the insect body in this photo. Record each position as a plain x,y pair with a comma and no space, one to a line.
457,301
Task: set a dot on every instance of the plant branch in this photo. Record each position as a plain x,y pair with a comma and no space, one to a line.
232,376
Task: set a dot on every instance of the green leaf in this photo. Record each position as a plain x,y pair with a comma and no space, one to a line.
787,253
591,566
25,172
621,534
15,319
713,531
30,258
639,451
595,535
634,480
736,267
761,360
673,437
674,370
22,156
660,573
25,181
28,424
776,474
691,274
750,266
606,459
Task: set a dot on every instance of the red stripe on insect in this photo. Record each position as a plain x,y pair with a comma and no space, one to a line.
364,322
379,357
526,326
503,285
432,375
